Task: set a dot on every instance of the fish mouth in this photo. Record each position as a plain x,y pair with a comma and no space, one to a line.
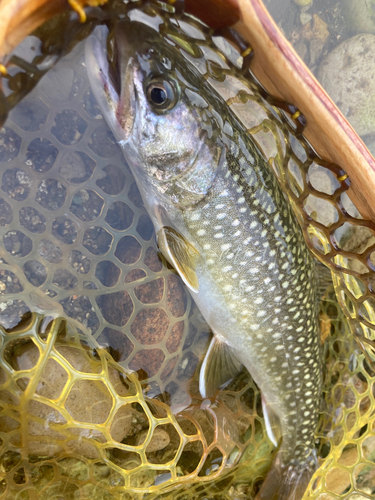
128,104
128,42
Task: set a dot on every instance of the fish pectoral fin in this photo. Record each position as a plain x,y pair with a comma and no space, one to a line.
219,367
272,423
181,255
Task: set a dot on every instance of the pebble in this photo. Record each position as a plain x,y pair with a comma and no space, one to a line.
317,32
305,17
303,3
160,440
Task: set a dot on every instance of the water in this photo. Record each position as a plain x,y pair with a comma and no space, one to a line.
77,244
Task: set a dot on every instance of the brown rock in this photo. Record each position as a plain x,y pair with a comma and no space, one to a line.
150,326
116,307
159,440
150,293
152,260
119,344
174,339
149,360
176,297
135,275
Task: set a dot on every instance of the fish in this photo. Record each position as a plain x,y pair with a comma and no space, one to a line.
224,224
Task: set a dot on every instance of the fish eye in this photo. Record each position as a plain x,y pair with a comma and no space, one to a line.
161,94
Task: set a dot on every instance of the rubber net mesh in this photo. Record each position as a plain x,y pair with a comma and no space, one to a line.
85,296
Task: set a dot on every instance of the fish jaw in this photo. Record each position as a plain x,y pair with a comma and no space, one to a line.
119,110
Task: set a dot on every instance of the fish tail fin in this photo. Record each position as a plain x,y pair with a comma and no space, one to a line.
287,481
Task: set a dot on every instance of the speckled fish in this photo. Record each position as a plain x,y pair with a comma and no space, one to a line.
223,222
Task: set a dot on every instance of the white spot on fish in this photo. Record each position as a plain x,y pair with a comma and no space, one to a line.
226,246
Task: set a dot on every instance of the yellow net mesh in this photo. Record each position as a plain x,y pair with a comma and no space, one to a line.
85,295
64,400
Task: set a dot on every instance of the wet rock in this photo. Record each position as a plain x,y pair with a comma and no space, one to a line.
359,15
317,33
301,50
88,401
348,75
160,439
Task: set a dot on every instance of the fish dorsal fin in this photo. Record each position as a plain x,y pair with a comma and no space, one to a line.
181,254
272,422
219,367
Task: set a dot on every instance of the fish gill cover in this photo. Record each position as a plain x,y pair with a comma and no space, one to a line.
78,244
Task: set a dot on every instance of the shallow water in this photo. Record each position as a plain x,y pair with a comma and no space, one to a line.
78,244
315,31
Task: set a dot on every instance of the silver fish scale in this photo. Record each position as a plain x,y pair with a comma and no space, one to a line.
255,251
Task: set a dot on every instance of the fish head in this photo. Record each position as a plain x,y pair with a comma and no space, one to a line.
159,114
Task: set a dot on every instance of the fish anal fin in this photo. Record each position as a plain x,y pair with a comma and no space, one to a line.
272,422
219,367
181,254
